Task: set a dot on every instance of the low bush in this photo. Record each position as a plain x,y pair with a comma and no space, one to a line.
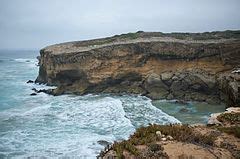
147,136
232,118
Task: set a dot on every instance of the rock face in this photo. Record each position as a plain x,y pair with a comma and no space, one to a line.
173,66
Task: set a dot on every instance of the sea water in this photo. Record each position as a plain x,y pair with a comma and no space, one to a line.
68,126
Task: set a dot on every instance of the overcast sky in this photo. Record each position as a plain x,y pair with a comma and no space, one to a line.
33,24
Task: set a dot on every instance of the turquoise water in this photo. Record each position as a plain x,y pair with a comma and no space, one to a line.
191,112
68,126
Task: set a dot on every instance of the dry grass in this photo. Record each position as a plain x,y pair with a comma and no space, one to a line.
233,130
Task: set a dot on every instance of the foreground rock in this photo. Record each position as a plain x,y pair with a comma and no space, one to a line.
201,67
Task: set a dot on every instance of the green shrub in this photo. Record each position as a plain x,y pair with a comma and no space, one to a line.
124,145
130,35
155,147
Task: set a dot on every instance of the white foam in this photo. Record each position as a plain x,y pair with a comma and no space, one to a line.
141,112
67,126
39,86
26,60
29,62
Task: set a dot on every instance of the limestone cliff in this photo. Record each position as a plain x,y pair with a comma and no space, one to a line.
187,66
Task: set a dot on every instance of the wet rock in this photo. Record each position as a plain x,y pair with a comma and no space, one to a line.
35,90
184,110
42,90
47,91
30,81
103,142
33,94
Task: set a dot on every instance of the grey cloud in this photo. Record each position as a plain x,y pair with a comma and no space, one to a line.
35,24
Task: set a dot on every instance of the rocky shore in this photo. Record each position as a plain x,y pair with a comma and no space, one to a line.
186,66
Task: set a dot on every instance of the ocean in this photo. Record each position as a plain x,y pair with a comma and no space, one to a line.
70,126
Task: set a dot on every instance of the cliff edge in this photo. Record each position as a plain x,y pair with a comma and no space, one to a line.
186,66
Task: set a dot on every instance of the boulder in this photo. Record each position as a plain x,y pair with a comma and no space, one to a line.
167,77
158,133
178,89
156,88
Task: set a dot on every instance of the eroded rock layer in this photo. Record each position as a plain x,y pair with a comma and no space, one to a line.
201,67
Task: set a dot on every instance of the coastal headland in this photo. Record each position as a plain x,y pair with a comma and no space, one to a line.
185,66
